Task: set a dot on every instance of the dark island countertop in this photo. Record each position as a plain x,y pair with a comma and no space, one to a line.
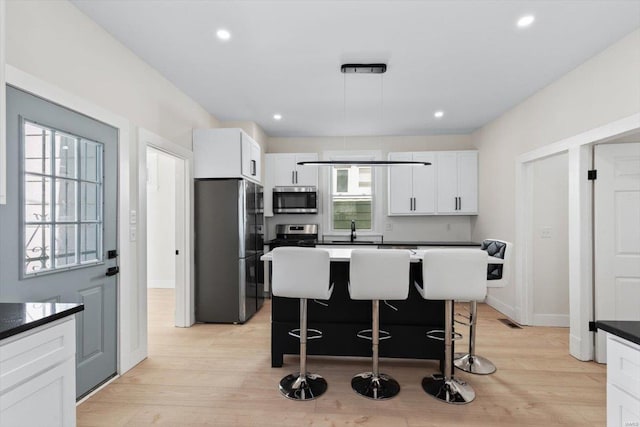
627,329
17,317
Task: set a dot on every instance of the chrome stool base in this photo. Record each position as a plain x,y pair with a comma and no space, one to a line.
473,364
297,387
454,391
376,388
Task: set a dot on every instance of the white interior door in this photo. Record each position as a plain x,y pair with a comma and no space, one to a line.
617,236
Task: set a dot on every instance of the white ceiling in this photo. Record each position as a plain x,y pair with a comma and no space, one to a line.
466,58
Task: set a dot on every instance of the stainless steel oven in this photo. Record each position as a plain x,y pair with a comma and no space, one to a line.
292,200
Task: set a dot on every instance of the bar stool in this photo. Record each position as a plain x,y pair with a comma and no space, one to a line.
377,275
497,277
450,274
302,273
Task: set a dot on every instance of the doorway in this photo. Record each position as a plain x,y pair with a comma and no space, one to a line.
550,242
165,226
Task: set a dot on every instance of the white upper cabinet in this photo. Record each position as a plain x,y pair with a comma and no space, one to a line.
448,187
457,182
226,153
412,188
288,173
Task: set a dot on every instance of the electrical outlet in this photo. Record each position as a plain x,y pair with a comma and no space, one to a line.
388,227
133,233
545,232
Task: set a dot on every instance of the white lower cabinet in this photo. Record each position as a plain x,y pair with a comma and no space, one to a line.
623,382
38,376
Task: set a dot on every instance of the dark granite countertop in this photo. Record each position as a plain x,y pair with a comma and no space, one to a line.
17,317
627,329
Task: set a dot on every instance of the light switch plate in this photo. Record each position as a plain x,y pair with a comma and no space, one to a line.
388,227
545,232
133,217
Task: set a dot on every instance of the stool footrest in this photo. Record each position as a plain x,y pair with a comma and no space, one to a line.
435,335
366,334
296,333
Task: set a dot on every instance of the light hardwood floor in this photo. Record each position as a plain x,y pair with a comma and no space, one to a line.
221,375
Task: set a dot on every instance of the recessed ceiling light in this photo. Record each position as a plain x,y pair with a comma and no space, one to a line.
438,114
223,34
277,117
525,21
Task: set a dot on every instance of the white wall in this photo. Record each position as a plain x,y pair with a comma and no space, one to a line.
161,220
603,89
551,241
422,228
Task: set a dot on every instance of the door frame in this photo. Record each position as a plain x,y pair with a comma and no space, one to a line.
184,290
131,343
579,148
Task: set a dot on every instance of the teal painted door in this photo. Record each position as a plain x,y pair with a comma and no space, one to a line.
60,222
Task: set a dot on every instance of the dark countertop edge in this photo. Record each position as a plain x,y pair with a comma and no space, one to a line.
43,321
394,243
627,329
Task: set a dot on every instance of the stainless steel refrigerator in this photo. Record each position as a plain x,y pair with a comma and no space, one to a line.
229,241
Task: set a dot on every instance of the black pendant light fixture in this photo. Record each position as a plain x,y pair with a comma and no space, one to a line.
362,69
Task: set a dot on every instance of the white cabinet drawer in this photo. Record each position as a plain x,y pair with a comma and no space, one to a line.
36,351
622,409
623,365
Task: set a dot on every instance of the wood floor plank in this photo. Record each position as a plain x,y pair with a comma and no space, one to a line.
221,375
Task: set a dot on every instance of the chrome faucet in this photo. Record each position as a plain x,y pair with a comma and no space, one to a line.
353,230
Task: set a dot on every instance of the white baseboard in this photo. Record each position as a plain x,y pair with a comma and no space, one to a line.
558,320
503,308
576,350
164,283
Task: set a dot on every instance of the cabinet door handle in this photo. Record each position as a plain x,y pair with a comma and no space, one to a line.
410,203
414,203
293,177
296,177
459,203
253,167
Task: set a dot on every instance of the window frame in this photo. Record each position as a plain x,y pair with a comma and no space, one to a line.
23,223
376,191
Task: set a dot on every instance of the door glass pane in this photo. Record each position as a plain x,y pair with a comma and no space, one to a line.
37,149
65,245
90,238
37,248
90,160
65,200
89,208
37,198
65,149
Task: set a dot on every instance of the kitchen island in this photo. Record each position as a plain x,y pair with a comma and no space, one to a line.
341,318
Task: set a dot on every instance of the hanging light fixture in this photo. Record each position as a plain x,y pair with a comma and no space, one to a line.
378,68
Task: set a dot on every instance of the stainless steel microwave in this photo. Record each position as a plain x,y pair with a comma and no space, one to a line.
292,200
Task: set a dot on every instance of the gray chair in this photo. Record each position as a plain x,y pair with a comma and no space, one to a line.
377,275
497,277
302,273
451,274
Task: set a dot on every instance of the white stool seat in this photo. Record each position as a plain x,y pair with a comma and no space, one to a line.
450,274
302,273
374,275
379,274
